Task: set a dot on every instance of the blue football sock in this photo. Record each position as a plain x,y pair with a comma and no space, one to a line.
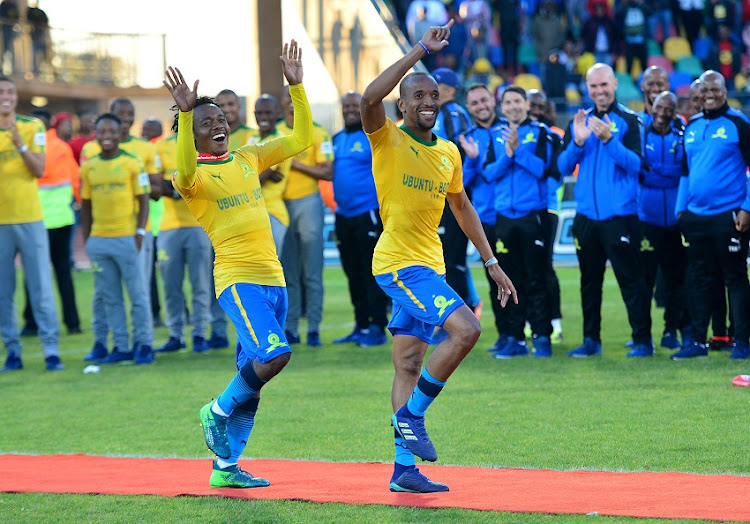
427,389
404,458
244,386
239,427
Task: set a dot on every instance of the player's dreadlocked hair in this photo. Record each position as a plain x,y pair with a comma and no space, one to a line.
200,101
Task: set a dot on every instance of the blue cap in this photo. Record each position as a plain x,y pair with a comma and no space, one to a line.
443,75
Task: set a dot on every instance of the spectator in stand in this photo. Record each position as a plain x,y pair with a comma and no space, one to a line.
719,13
660,242
358,225
420,24
661,17
456,52
575,14
476,15
691,17
632,18
85,133
9,16
600,35
40,38
591,7
435,14
22,230
510,32
605,142
547,33
56,192
713,211
726,56
481,72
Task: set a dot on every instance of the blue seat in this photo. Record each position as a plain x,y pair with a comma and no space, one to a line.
702,47
679,79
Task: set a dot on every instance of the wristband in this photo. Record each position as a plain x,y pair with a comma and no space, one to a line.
140,231
426,49
491,262
23,149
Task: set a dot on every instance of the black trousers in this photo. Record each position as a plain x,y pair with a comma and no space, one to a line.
59,251
615,240
497,309
713,243
356,238
550,277
153,287
454,252
661,248
522,253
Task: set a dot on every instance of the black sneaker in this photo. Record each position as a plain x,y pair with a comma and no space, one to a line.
12,363
53,363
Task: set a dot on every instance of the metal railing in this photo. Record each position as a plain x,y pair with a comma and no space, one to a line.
67,56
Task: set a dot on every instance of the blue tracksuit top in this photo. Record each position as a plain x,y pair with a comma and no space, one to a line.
353,185
647,119
482,192
520,181
717,153
607,183
660,177
460,121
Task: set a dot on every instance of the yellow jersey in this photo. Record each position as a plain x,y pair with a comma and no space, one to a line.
239,137
412,178
176,212
224,194
142,149
301,185
273,192
112,186
19,197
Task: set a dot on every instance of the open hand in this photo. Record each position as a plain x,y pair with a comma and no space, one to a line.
505,288
183,96
581,132
291,63
436,38
601,128
469,146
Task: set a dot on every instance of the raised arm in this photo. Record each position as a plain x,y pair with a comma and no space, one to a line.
373,112
187,156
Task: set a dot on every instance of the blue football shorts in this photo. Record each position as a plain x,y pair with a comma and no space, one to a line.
421,300
258,314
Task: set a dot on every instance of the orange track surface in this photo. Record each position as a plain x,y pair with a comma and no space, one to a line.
665,495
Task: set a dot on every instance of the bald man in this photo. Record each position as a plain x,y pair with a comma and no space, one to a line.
655,81
713,210
605,141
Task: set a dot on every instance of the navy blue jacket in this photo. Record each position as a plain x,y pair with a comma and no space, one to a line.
452,121
482,192
520,181
660,177
717,153
607,183
353,185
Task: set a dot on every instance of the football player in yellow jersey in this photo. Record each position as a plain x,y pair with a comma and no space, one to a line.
223,192
415,173
113,227
239,132
274,179
22,162
302,256
182,243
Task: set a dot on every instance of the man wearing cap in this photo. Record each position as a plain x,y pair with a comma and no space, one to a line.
452,121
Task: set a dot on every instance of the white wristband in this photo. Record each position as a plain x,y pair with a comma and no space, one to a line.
140,231
491,262
23,149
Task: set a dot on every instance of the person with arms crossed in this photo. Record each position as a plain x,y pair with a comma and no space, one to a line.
358,225
415,173
114,211
223,192
713,212
22,141
606,142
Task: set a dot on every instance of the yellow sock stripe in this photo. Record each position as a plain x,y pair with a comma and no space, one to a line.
408,292
244,315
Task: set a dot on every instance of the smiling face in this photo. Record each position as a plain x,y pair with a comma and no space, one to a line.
211,130
537,104
125,111
695,97
481,105
350,109
8,98
108,135
713,91
419,102
655,81
266,113
601,84
513,106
